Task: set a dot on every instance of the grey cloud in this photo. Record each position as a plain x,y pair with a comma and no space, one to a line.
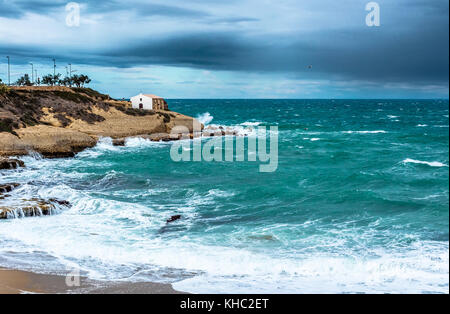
142,9
17,8
397,52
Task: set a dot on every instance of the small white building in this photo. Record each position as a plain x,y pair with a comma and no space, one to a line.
148,102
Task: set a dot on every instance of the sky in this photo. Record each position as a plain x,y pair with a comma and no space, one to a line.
234,48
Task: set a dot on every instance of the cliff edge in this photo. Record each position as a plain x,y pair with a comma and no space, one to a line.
61,121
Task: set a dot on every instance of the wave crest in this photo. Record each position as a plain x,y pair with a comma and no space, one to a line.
420,162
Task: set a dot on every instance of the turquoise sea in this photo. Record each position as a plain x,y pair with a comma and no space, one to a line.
358,204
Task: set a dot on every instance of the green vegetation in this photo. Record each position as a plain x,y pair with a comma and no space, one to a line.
24,81
29,120
8,125
3,88
51,79
75,97
90,92
166,116
80,80
135,112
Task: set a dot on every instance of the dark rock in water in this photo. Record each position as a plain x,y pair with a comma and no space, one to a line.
4,188
156,137
263,237
118,142
174,218
60,202
52,155
7,163
31,208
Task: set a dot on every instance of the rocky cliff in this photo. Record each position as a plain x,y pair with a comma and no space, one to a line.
61,121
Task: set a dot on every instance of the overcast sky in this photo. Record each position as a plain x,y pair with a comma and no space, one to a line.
236,48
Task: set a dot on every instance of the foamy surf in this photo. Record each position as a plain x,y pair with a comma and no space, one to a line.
298,230
205,118
420,162
365,132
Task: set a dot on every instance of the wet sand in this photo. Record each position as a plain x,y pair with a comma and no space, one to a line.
22,282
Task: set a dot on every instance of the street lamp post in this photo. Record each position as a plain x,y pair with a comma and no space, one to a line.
9,72
32,73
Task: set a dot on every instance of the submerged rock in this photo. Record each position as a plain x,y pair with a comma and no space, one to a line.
8,163
174,218
4,188
118,142
32,208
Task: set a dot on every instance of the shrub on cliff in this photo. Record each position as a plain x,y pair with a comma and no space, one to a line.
8,125
90,92
3,88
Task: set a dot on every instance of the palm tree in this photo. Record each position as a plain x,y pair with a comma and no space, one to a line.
24,81
51,79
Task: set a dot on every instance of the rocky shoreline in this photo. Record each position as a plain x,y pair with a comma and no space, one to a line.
8,163
60,121
33,207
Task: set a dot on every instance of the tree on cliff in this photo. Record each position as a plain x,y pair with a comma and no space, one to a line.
24,81
80,80
67,81
51,79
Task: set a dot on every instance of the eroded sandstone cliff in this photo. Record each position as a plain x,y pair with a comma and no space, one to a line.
61,121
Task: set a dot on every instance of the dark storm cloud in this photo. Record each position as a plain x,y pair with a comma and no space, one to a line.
17,8
369,54
142,9
410,46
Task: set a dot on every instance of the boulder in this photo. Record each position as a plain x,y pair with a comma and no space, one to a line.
8,163
32,208
118,142
5,188
173,218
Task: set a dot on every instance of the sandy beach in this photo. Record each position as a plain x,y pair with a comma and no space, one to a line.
22,282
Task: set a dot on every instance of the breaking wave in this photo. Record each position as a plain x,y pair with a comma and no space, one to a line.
205,118
420,162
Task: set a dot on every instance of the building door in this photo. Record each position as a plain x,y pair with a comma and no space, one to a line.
141,106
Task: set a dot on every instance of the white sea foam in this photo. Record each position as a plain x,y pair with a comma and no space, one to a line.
205,118
422,125
250,123
388,273
139,142
112,239
106,239
431,164
103,244
365,132
238,130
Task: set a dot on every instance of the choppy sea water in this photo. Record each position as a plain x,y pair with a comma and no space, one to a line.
359,203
